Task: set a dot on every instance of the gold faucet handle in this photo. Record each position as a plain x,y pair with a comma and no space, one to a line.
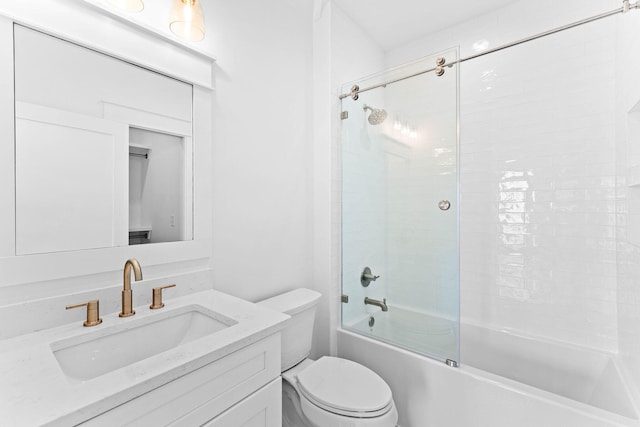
157,297
93,312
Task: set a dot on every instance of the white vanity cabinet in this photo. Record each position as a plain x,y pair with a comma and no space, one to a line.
241,389
263,408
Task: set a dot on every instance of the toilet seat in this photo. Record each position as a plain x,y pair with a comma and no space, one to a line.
345,388
319,417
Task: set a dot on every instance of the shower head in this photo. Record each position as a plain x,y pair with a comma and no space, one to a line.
377,116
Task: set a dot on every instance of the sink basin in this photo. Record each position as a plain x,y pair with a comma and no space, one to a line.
90,355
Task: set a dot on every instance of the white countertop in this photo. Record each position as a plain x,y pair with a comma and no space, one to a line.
35,391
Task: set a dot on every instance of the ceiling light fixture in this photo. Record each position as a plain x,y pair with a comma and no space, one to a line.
127,5
187,20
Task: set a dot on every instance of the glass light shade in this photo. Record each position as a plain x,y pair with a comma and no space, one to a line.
128,5
187,20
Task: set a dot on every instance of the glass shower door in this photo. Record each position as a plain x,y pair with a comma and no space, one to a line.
399,151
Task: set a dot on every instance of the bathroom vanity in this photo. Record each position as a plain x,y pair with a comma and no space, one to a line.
204,359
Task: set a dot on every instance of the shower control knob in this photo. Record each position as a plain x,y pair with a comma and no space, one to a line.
367,277
444,205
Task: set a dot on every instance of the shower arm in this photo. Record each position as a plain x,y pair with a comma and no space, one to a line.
626,7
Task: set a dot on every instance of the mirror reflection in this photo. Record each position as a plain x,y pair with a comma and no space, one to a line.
156,185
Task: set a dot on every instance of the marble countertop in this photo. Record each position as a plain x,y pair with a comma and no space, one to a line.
35,391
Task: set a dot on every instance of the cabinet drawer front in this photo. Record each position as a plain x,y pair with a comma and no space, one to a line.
261,409
210,390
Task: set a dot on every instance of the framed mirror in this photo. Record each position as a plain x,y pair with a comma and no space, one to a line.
103,150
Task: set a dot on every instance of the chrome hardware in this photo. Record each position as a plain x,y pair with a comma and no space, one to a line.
444,205
127,295
93,312
372,321
367,277
344,115
451,363
626,6
344,299
157,297
440,61
354,92
382,304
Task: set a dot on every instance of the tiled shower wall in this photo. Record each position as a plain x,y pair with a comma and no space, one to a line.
538,206
537,172
628,165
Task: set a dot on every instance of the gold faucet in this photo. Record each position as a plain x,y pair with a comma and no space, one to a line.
93,312
127,295
157,297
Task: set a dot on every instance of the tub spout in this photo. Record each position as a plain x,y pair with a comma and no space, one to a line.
382,304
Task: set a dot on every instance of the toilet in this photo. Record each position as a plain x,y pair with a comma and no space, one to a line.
330,391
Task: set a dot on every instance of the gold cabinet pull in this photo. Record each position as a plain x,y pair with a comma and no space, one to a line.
93,312
157,297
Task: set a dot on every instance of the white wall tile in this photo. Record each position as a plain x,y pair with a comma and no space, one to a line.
537,171
628,208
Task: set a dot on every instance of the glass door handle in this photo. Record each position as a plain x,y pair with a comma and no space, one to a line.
444,205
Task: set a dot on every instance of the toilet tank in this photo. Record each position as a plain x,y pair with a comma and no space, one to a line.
301,305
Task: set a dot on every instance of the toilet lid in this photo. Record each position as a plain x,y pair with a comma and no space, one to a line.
343,386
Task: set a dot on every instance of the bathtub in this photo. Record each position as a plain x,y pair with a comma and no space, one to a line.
504,380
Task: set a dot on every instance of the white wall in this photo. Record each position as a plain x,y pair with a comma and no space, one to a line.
262,144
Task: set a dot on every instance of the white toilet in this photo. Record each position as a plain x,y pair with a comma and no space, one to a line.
329,392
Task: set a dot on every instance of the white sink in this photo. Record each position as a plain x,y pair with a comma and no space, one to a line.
104,350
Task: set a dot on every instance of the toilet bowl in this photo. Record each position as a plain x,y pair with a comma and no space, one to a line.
330,391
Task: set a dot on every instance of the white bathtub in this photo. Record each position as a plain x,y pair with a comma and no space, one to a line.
504,380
